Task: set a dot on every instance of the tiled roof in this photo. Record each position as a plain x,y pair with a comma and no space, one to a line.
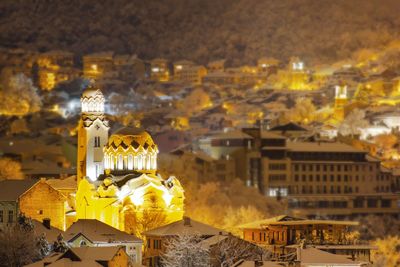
98,232
184,226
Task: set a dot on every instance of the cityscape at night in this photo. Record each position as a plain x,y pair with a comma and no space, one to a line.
200,133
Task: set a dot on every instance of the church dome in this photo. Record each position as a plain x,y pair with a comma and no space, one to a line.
131,149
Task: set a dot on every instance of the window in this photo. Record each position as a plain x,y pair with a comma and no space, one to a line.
385,203
1,216
325,178
339,177
97,141
10,216
149,243
372,203
252,236
83,243
296,177
317,177
303,177
310,177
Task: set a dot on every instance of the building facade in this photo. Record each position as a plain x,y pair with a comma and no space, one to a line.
316,178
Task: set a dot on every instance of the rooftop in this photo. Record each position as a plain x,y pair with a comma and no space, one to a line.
288,220
322,147
98,232
184,226
11,190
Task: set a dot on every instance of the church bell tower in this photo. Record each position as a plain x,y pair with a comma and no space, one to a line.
92,134
340,101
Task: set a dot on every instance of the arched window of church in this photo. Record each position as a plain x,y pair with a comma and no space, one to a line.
130,162
148,162
106,161
120,162
140,162
135,162
112,162
83,243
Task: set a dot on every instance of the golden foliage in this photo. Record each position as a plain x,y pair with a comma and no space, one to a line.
10,169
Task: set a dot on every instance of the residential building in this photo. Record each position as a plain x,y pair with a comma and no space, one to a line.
282,234
158,237
159,70
42,201
180,66
55,67
216,66
317,178
93,233
10,191
98,65
88,257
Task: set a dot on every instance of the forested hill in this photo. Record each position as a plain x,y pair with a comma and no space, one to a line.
201,30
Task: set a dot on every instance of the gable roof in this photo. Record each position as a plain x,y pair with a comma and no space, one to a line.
314,256
236,134
288,127
184,226
51,234
96,253
11,190
288,220
98,232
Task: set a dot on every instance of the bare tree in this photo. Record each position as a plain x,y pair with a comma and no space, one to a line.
232,249
19,246
185,251
353,123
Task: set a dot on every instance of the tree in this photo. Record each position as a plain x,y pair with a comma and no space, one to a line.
10,169
388,252
18,244
60,245
354,123
232,249
185,251
139,222
304,111
197,100
19,97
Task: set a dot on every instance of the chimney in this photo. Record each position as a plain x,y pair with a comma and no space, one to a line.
46,223
186,221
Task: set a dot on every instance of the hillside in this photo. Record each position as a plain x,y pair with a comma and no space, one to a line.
241,30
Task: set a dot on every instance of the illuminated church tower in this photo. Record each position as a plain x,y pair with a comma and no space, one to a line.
92,135
340,101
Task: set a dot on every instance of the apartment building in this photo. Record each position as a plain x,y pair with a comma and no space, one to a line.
316,178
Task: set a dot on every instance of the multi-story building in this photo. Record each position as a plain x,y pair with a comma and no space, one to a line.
98,65
10,191
193,74
282,234
55,67
317,178
160,71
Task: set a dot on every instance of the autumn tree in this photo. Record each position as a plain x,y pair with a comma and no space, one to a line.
304,111
388,252
197,100
185,251
354,123
10,169
139,222
19,97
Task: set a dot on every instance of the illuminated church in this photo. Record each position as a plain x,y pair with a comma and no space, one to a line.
117,174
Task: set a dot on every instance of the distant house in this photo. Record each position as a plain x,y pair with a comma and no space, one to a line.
93,233
10,191
42,201
88,257
158,237
281,234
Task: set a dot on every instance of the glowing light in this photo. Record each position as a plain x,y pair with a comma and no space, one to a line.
179,67
167,198
155,69
137,198
94,67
